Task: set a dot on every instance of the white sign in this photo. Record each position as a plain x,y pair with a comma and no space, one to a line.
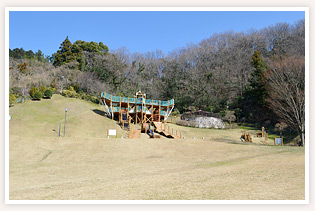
112,132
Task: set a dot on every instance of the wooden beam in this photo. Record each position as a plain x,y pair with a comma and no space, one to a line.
120,108
111,101
159,110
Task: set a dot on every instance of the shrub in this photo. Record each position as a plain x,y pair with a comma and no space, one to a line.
48,93
68,93
42,90
71,89
33,91
53,90
94,99
12,99
37,96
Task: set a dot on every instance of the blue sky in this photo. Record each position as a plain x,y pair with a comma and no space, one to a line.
137,31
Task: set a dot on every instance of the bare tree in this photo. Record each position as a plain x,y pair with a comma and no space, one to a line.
287,92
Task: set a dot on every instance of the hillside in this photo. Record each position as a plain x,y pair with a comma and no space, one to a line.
87,165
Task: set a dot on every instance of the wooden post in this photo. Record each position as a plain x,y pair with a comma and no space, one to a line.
111,101
180,134
266,137
128,111
159,110
107,132
141,110
136,111
281,141
152,110
120,109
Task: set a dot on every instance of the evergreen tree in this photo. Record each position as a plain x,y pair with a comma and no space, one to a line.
64,54
254,104
257,82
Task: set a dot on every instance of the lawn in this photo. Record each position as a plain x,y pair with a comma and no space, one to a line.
86,165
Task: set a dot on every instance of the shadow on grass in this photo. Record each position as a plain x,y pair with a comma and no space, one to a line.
99,112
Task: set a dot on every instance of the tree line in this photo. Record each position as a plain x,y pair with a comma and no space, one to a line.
258,75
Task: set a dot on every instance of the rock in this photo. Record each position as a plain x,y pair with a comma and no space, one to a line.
207,122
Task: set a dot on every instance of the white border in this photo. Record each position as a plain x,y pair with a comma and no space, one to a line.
255,9
307,154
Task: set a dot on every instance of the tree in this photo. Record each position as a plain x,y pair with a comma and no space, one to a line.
33,91
286,79
42,90
229,116
48,93
64,54
40,56
257,81
37,96
255,103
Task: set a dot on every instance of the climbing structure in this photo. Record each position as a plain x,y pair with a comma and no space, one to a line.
136,110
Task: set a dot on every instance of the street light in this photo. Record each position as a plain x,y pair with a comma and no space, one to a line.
64,130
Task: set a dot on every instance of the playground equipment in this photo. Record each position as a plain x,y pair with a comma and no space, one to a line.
136,110
149,113
262,133
246,137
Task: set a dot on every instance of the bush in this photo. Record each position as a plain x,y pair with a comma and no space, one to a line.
12,99
71,89
68,93
37,96
53,90
48,93
33,91
42,90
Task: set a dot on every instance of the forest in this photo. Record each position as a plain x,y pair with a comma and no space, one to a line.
256,76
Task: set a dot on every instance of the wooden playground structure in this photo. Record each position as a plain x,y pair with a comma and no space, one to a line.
150,114
248,138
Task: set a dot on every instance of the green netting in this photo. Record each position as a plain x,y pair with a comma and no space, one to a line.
124,99
107,96
115,98
164,103
132,100
171,102
115,109
137,100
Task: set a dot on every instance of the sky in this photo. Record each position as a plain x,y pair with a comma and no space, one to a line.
138,31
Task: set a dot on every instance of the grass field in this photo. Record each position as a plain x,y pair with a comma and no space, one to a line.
87,165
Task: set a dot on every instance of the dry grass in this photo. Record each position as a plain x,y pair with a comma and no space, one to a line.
86,165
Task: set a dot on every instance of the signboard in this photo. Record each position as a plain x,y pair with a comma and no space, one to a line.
111,132
278,141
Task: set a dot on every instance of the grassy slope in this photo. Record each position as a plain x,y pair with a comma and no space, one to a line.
86,165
